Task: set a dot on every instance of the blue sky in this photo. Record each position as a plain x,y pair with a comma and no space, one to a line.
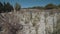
31,3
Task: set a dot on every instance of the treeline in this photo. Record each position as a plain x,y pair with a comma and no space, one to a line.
7,7
48,6
52,6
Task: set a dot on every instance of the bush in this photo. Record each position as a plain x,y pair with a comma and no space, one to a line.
17,7
50,6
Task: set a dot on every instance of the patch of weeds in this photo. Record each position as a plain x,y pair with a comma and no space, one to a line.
26,22
34,24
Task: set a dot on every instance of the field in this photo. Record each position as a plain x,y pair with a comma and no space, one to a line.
30,21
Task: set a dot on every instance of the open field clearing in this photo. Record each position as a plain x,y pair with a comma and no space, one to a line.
30,21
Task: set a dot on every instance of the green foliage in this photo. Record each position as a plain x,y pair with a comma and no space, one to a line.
1,7
36,7
17,7
5,7
50,6
8,7
58,6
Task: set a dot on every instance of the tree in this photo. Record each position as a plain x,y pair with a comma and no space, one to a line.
17,7
58,6
7,7
50,6
1,7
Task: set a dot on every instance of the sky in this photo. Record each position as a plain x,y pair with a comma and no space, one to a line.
31,3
